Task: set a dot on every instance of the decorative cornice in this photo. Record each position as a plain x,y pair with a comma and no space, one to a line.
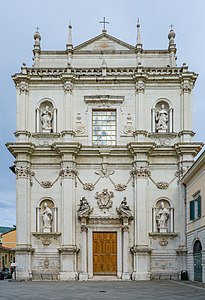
188,148
176,74
46,238
140,249
23,249
20,148
104,100
70,249
65,148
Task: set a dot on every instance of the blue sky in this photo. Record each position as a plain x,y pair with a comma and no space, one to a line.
19,18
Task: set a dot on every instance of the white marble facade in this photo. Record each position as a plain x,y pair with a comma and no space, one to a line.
104,135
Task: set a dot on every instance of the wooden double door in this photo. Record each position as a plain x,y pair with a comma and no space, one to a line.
104,253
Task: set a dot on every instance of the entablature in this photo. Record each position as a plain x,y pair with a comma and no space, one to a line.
168,74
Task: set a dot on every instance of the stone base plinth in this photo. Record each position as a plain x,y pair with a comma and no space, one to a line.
83,276
65,276
126,276
140,276
163,230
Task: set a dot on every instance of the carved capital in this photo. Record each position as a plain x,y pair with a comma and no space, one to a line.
142,172
186,87
23,87
140,87
23,172
125,228
68,87
83,228
68,172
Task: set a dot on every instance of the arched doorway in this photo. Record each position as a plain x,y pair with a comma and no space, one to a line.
197,253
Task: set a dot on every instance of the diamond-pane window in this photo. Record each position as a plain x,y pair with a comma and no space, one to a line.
104,127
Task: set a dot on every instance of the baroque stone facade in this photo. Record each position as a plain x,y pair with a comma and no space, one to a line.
104,135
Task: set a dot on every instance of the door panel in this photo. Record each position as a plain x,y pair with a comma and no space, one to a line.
198,267
105,253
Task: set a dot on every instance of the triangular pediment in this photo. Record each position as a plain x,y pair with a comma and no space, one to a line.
104,42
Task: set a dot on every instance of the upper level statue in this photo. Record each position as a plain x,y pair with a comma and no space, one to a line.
46,119
161,119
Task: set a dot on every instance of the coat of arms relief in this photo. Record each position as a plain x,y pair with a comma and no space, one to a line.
104,199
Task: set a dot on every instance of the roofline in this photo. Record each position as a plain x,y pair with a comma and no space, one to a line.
104,34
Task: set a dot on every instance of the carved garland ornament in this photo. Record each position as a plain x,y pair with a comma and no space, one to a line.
104,173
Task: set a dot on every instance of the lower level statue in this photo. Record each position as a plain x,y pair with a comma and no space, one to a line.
162,217
47,217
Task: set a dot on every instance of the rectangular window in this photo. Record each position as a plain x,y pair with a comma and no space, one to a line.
104,127
195,207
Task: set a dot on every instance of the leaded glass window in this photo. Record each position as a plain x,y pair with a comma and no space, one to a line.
104,127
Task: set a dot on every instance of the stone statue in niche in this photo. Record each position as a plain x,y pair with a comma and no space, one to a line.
46,119
47,217
84,208
124,210
162,217
162,120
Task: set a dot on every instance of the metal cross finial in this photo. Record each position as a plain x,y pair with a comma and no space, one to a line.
104,22
171,26
37,28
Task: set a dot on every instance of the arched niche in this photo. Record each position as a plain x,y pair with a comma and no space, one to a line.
46,216
163,216
162,116
46,116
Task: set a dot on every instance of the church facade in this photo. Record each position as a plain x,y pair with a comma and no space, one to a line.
104,136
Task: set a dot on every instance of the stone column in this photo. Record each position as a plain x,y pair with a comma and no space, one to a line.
125,241
139,107
186,88
68,109
68,173
22,99
141,174
68,266
23,212
83,274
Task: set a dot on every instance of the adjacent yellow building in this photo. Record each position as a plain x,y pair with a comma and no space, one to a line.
194,182
7,252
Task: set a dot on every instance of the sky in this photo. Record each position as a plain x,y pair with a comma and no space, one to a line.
18,22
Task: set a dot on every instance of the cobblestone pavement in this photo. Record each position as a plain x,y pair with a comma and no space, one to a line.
168,290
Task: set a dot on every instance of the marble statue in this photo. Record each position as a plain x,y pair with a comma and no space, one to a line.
47,217
162,119
46,119
162,217
124,210
84,208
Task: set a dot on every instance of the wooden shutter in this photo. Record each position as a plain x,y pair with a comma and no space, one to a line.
192,210
199,205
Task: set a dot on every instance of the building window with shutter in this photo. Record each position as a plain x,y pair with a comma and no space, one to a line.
104,127
195,207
